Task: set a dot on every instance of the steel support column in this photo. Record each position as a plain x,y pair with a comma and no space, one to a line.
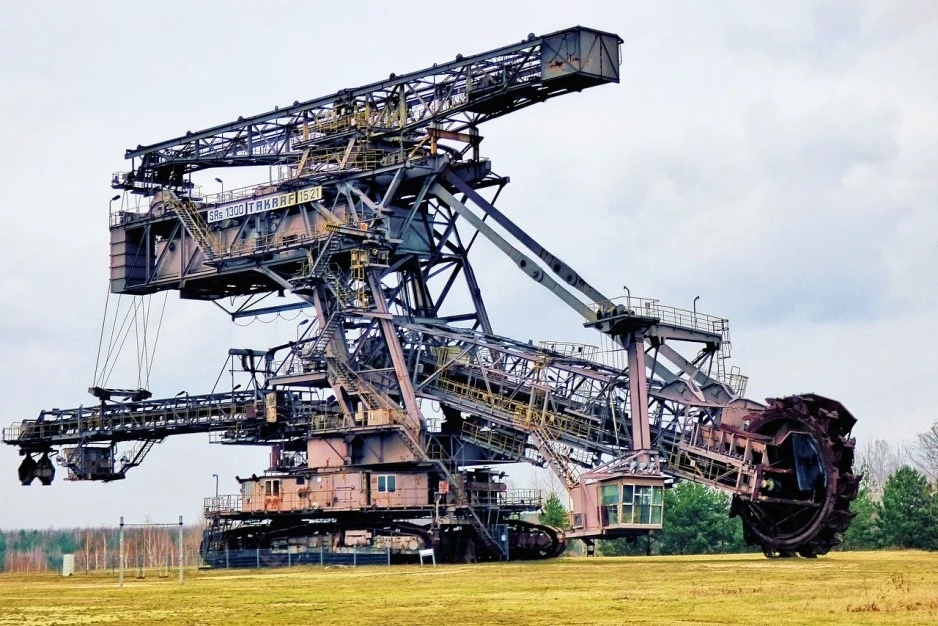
638,392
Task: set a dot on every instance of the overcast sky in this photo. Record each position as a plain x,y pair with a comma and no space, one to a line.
780,160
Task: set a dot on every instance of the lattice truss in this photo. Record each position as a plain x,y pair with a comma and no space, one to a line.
401,313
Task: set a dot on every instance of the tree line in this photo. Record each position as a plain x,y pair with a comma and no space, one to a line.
97,549
898,502
897,507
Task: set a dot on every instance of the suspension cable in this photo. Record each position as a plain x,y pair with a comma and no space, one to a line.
97,358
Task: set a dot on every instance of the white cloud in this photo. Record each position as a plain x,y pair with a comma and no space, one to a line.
780,162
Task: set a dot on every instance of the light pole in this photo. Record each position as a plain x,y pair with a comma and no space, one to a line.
111,203
695,310
222,183
215,476
628,296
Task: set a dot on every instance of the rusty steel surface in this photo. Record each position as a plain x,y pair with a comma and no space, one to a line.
366,231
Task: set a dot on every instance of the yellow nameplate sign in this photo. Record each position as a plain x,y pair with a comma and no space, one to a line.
262,204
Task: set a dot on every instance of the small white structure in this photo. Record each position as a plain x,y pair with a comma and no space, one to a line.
427,553
68,564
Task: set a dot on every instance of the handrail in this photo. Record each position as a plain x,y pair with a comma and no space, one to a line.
228,504
202,413
670,315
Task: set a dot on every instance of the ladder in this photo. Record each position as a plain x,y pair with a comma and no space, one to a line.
319,267
553,458
135,456
342,293
354,385
483,531
325,336
189,215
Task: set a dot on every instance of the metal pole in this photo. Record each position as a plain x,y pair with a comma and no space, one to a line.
695,311
182,560
258,557
216,488
121,555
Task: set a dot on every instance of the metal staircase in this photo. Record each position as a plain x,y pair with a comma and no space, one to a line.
483,530
316,266
344,295
558,462
317,348
355,385
136,455
319,267
189,215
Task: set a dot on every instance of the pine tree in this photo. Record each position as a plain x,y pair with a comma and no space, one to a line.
554,513
909,511
696,521
864,532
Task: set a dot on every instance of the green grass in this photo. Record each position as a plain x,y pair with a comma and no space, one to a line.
842,588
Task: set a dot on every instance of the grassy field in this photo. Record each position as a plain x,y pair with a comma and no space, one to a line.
843,588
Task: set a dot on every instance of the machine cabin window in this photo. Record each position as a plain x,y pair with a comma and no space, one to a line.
387,483
271,487
640,504
611,503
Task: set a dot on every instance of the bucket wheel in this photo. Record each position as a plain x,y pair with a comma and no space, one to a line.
807,479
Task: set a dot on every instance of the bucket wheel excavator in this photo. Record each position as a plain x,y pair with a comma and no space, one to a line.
391,412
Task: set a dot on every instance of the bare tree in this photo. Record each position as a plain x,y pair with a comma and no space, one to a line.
877,460
88,540
924,452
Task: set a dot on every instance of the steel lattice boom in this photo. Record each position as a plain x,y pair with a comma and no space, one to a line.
370,231
396,116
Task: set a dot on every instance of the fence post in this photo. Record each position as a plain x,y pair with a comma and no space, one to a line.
182,555
121,555
289,558
321,561
227,559
354,556
258,558
389,556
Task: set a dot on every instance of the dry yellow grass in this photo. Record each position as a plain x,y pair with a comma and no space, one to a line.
843,588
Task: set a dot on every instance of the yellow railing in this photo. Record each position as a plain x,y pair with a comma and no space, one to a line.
526,414
356,158
335,121
264,243
503,441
